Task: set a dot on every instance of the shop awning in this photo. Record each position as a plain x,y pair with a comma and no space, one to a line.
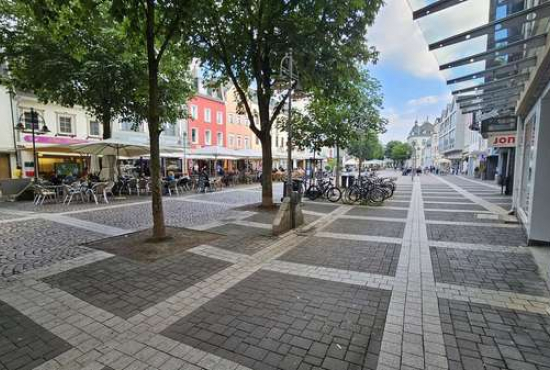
486,49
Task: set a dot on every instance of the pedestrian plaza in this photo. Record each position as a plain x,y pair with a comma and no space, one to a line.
435,278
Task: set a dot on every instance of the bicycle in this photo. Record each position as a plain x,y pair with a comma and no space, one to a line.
324,187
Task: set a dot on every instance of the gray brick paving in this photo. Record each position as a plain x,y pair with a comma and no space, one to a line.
458,216
247,244
268,217
177,213
377,212
125,288
474,234
488,269
377,258
319,207
276,321
367,227
473,206
24,344
240,230
480,336
26,245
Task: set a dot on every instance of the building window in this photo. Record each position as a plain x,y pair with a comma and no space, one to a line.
194,136
28,120
231,139
246,143
230,118
219,118
219,139
207,115
194,112
65,125
257,141
208,137
239,140
94,128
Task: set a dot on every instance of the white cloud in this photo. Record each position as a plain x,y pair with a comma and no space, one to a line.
401,42
428,100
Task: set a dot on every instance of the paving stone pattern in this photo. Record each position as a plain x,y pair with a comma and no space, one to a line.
29,244
473,206
269,217
377,212
24,344
276,321
176,213
240,230
319,207
125,287
458,217
510,272
367,227
246,244
376,258
477,235
482,337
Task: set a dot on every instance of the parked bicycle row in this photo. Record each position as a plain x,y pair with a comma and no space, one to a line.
365,190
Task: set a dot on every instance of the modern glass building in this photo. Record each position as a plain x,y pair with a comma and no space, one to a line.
495,55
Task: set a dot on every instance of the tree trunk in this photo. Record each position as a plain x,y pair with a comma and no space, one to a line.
359,169
337,165
267,164
159,229
106,123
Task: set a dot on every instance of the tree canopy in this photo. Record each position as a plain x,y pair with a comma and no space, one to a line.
400,152
245,42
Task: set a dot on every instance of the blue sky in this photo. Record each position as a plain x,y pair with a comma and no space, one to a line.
411,82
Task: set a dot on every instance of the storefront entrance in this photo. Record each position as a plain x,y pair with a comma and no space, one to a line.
5,169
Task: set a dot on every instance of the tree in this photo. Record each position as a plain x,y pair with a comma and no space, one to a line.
248,44
100,43
400,153
156,27
70,55
366,147
389,147
339,116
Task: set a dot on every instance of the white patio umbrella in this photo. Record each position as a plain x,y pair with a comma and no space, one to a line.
110,149
94,165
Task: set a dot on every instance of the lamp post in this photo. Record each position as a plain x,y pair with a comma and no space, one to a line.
288,185
184,152
34,125
414,160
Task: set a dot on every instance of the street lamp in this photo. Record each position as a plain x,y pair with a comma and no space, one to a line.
289,71
35,117
414,160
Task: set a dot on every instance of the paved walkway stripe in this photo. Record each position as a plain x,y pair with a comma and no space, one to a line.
325,273
373,218
483,247
366,238
487,205
479,182
87,225
413,337
456,210
510,300
480,224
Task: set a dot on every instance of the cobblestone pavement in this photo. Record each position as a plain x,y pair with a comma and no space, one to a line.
433,279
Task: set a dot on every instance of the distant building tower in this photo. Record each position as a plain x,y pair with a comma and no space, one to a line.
420,139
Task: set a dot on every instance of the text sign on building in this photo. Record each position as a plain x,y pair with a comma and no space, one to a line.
502,140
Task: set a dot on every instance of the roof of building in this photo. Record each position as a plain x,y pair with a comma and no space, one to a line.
426,129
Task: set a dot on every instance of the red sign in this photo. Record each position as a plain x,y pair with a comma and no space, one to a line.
503,140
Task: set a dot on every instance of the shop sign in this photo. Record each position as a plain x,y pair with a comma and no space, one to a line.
502,140
54,140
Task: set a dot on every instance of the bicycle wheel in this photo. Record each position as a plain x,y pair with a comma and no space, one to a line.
333,194
354,194
376,196
345,197
313,192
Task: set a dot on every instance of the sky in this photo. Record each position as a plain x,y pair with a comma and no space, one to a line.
412,85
